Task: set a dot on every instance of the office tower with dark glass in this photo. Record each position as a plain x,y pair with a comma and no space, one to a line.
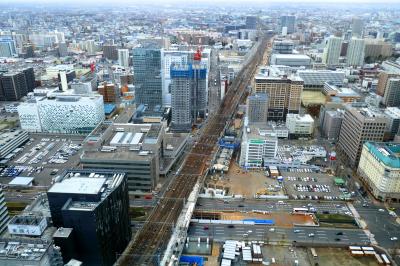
13,86
257,108
251,22
148,82
188,95
289,22
94,204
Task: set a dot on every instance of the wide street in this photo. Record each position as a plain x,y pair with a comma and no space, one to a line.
221,232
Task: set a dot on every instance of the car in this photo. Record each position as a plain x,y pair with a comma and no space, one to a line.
296,231
381,210
339,233
240,205
365,205
226,202
311,235
249,232
231,226
205,227
393,238
337,239
325,212
272,229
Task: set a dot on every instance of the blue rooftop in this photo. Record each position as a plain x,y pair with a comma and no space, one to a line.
387,153
109,108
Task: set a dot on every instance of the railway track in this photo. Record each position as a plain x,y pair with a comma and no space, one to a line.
150,242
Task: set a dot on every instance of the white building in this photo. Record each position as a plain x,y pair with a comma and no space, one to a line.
300,125
10,140
72,114
379,167
332,51
123,57
294,60
355,53
257,145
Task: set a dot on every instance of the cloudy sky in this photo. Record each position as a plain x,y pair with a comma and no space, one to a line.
244,2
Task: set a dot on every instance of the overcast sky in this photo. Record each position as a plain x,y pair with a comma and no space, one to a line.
227,2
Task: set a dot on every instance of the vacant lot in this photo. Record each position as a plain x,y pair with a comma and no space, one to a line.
340,257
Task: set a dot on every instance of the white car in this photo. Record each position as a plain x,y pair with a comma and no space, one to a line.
311,235
272,229
393,238
381,210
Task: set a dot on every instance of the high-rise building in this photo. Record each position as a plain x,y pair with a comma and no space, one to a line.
332,123
108,92
284,94
380,169
384,76
257,108
357,27
123,57
90,47
148,82
189,95
29,78
375,49
14,86
393,115
332,51
289,22
110,52
391,97
251,22
62,49
360,124
7,47
355,53
4,218
95,205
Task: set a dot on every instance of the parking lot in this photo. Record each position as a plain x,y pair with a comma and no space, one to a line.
312,186
43,157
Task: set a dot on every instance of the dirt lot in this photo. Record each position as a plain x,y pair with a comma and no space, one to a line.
285,256
247,183
340,257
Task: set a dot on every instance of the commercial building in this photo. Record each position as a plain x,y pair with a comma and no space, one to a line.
148,81
251,22
377,49
7,47
10,140
282,47
315,79
107,90
384,76
379,168
393,116
284,94
257,108
95,205
289,22
123,57
357,27
72,114
13,86
360,124
356,52
257,145
391,97
293,60
189,95
332,51
110,52
4,218
300,126
332,123
134,149
345,95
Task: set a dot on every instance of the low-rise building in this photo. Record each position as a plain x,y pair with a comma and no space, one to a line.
315,79
379,168
10,140
344,94
294,60
300,126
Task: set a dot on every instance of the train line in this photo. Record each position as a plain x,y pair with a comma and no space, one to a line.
147,247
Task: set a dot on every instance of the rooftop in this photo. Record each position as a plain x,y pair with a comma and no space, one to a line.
78,185
22,250
387,153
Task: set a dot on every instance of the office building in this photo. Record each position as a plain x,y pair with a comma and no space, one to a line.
360,124
90,47
95,205
85,85
391,96
72,114
300,126
29,78
110,52
123,57
289,22
148,81
134,149
284,94
335,93
383,78
393,116
357,27
332,123
256,146
10,140
65,77
108,92
189,95
391,67
315,79
62,49
355,53
332,51
13,86
379,168
257,108
7,47
251,22
4,218
377,49
293,60
282,47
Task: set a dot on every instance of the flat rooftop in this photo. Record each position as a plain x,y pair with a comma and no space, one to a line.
387,153
79,185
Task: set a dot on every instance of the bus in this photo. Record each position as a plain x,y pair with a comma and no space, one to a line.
300,210
314,253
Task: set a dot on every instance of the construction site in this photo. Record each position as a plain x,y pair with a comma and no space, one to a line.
151,244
